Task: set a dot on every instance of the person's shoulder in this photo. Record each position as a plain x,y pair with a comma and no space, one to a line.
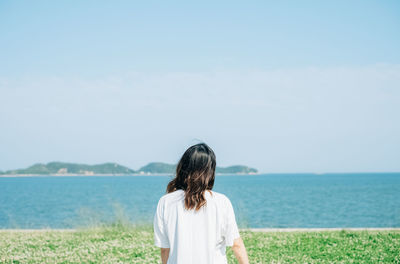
220,196
171,196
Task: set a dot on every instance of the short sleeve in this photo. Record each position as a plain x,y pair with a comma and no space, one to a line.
160,232
231,231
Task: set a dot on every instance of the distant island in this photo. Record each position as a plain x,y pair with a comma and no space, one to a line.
72,169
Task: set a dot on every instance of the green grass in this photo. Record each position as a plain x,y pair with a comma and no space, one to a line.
119,244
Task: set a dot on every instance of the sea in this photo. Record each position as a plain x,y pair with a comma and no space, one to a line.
259,201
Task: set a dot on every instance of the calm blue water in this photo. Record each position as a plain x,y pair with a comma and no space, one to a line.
285,200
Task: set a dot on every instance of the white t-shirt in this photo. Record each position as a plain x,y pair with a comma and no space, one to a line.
195,237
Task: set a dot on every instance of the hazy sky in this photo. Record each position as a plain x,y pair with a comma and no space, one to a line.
283,86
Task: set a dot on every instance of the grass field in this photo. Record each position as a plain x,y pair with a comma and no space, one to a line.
120,244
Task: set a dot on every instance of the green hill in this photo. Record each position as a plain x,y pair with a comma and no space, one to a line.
72,168
236,169
158,167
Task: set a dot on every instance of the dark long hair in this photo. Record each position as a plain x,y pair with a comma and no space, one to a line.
195,173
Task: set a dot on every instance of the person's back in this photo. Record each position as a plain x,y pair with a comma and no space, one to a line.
195,236
193,224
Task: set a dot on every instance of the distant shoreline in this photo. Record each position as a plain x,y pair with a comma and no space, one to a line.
57,168
171,174
109,174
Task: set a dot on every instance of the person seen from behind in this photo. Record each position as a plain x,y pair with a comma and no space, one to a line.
192,223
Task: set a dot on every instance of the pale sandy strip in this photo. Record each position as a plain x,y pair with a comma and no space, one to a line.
38,230
320,229
243,229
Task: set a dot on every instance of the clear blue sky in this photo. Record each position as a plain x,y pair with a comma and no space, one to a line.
284,86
